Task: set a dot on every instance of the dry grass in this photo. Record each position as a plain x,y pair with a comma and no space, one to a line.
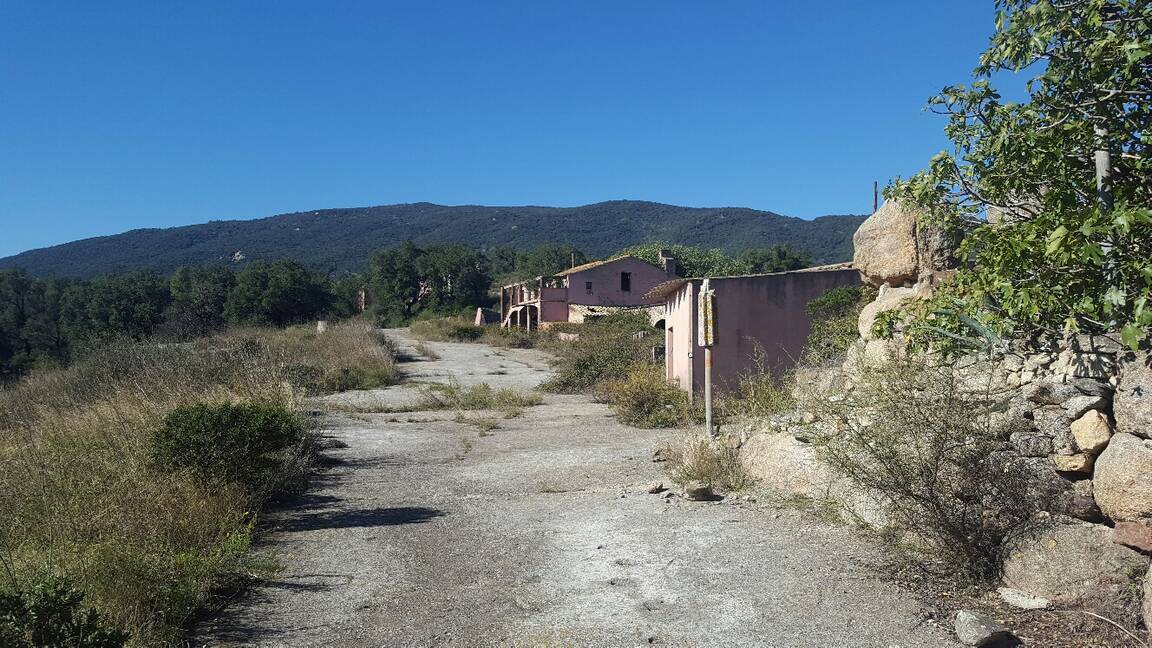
80,495
694,458
459,329
510,402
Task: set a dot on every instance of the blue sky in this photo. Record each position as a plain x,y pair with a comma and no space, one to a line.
119,115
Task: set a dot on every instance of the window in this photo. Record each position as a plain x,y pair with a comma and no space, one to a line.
625,282
588,287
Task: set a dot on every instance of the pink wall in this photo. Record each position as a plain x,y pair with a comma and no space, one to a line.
680,335
765,311
606,284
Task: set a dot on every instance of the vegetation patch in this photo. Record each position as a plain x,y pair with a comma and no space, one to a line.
607,349
510,402
135,473
698,459
643,398
932,451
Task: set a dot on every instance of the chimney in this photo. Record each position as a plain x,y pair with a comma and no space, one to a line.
668,263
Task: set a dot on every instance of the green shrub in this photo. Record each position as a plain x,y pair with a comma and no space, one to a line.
228,443
447,329
608,347
51,615
644,399
833,318
477,397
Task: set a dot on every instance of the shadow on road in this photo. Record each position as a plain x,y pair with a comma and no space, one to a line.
373,517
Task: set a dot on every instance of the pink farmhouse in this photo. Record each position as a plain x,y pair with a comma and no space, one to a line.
756,315
584,290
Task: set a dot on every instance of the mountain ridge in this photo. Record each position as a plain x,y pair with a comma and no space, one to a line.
342,239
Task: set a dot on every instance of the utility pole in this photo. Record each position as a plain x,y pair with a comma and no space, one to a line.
875,196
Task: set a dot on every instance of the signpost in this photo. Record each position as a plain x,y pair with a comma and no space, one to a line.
706,334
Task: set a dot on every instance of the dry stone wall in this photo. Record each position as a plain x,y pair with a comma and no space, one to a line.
1077,411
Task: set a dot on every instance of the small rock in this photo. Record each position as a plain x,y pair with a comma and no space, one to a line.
667,495
1078,463
1092,432
656,487
1081,504
661,454
1078,405
1133,534
698,491
1022,599
1092,387
1049,393
974,629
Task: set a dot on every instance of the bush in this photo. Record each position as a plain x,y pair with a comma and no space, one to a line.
477,397
51,615
447,329
707,461
645,399
930,448
228,443
608,347
833,318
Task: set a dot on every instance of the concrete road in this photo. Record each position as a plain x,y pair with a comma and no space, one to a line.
541,534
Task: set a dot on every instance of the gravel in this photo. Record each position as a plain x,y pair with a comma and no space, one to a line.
423,533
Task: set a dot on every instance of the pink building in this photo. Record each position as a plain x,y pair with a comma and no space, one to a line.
755,314
584,290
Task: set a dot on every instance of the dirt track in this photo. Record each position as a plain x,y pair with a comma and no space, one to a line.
423,533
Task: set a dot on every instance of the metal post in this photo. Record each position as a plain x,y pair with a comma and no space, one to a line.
708,391
875,196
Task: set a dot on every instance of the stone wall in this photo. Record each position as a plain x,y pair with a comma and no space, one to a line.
1079,411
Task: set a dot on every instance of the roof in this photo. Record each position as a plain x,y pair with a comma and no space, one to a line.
663,290
597,264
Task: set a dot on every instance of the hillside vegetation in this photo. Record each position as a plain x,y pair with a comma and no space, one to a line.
339,240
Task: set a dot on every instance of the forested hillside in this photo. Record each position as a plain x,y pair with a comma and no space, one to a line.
339,240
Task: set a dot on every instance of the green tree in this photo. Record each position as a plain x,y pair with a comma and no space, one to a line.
114,306
1046,251
691,261
278,294
454,277
775,258
198,298
394,283
547,259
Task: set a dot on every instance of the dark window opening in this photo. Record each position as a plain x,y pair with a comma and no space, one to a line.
588,286
626,282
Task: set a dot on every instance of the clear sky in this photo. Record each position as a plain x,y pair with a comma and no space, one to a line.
119,115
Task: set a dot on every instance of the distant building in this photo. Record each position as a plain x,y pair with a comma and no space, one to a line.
757,317
588,290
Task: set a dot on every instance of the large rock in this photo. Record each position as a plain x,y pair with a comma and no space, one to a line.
896,245
791,467
1074,564
1091,432
885,245
1122,484
888,299
1132,406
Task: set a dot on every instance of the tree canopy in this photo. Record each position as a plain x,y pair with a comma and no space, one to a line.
1047,249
